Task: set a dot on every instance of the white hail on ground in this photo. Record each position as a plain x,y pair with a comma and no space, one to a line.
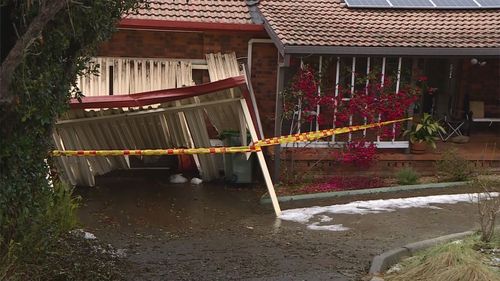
317,218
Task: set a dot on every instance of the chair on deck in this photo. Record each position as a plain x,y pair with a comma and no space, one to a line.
455,121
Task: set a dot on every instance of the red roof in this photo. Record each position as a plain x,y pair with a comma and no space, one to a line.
207,11
332,23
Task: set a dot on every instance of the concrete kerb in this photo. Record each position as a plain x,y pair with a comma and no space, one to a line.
418,246
323,195
387,259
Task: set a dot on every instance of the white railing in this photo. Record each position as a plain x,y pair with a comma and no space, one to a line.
393,143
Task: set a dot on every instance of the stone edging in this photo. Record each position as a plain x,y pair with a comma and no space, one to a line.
266,200
387,259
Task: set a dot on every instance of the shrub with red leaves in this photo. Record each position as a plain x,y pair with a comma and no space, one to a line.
359,153
339,183
374,101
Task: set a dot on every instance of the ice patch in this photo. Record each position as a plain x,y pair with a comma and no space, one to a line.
89,236
307,215
331,227
109,250
178,178
395,268
196,181
82,233
324,218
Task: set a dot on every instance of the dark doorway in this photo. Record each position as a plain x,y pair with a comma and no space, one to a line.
441,79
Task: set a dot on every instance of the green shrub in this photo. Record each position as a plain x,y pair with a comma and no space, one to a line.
43,233
453,167
407,176
34,95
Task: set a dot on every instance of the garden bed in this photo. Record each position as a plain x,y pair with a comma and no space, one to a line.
350,192
346,183
347,186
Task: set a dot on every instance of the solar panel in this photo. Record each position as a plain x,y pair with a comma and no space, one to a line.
368,3
489,3
455,4
411,4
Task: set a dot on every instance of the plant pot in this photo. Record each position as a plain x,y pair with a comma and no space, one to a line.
418,147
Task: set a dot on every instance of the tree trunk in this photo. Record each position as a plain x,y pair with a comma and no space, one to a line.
14,58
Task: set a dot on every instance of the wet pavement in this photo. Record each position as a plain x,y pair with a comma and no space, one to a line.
219,232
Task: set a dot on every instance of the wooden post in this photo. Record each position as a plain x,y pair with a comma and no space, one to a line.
262,161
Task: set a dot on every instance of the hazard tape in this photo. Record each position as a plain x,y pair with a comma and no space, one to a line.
310,136
155,152
255,147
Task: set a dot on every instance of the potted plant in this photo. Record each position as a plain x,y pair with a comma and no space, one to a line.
423,133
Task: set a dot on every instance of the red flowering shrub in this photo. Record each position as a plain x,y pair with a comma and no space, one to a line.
358,153
374,101
302,95
339,183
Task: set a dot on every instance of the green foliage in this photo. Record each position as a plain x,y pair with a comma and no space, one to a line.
426,130
42,85
407,176
71,258
457,260
453,167
58,218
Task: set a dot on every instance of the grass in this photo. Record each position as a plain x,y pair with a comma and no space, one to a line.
407,176
455,261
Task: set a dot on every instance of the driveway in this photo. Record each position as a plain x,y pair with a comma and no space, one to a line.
220,232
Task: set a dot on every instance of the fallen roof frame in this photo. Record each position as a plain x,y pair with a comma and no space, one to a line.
154,97
84,170
149,111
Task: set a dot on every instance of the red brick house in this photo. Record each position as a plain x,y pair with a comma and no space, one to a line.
459,49
191,29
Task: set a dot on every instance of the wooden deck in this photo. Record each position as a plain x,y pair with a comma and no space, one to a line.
481,146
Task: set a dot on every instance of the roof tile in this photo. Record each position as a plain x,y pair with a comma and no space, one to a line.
210,11
332,23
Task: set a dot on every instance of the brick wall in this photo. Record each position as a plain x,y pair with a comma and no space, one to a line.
137,43
194,45
264,71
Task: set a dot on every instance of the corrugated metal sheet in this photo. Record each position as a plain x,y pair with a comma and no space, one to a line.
133,75
221,66
176,124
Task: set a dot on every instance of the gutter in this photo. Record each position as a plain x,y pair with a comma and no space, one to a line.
392,51
164,25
